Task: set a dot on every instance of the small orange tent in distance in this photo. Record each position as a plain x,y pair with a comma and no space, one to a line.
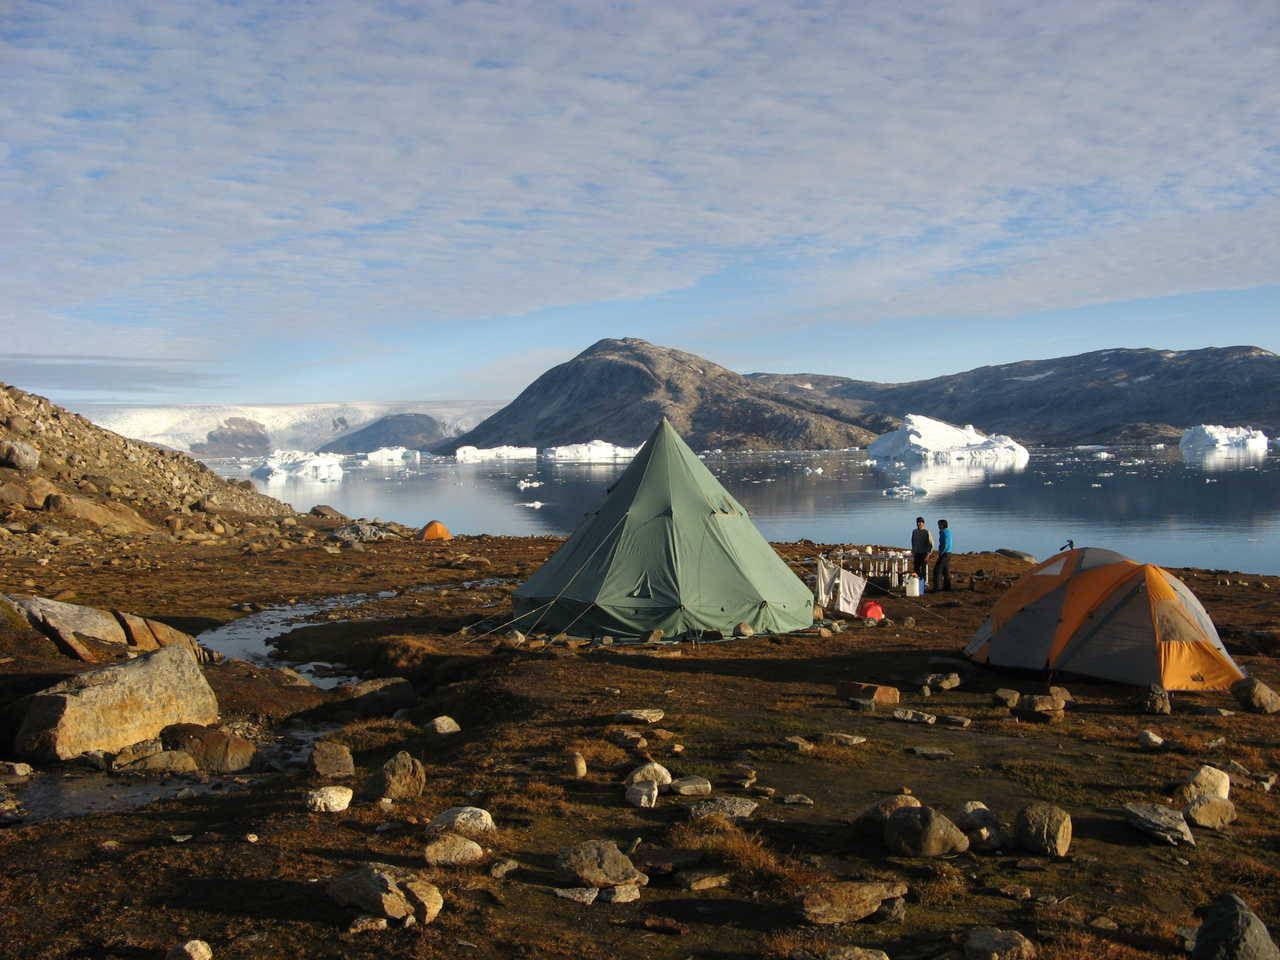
435,530
1096,613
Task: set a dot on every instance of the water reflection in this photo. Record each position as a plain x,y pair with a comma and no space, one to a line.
1229,458
940,479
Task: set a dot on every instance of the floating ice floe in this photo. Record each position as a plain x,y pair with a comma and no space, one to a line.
1103,455
905,492
528,484
481,454
594,451
924,440
298,465
1207,437
532,504
391,456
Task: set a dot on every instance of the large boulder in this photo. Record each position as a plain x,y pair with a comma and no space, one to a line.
1044,829
1231,931
19,455
1255,696
844,901
597,863
112,707
403,777
112,516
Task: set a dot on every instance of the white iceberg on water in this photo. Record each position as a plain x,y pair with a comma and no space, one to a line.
594,451
391,455
1207,437
481,454
298,465
922,439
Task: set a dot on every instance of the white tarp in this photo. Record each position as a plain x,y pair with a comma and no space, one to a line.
838,589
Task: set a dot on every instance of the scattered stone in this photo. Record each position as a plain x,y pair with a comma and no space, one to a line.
923,832
799,744
1212,813
1232,931
622,893
19,455
500,868
401,778
1163,823
1205,782
331,759
871,818
1040,709
957,721
844,901
575,765
1016,892
798,800
842,739
213,750
743,629
1155,701
654,772
451,850
913,716
1255,696
735,808
891,911
597,863
862,705
980,825
10,768
443,726
690,787
646,715
643,794
931,753
191,950
702,878
1150,740
1004,697
584,895
467,821
328,799
367,924
878,693
166,761
1104,923
371,888
988,943
1044,829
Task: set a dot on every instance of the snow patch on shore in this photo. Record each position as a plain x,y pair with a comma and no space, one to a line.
924,440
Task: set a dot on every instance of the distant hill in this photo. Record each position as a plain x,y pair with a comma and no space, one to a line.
1106,395
417,431
616,390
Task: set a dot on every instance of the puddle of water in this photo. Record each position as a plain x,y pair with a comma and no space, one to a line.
58,795
247,638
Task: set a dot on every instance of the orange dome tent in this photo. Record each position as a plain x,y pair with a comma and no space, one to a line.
435,530
1096,613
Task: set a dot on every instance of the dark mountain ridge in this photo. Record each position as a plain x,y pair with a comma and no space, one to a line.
1104,395
616,390
417,431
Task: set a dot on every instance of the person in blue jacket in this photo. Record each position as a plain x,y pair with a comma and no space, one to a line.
942,568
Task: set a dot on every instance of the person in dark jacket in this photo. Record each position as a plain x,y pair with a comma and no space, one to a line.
942,568
921,547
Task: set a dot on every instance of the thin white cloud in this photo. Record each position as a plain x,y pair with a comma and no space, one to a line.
185,174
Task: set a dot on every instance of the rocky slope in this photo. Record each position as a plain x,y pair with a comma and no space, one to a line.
62,476
1105,395
617,390
417,431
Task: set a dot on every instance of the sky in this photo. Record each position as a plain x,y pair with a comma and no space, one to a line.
209,202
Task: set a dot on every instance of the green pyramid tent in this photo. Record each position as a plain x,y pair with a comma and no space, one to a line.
668,549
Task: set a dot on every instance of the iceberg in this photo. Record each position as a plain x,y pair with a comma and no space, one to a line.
594,451
922,439
296,465
393,456
1206,438
480,455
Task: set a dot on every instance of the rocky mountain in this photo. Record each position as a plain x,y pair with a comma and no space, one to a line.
1106,395
255,430
417,431
616,390
61,476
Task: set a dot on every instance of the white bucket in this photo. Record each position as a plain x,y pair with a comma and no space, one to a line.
913,585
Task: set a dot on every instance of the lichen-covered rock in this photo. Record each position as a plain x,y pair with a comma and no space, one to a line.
1044,829
844,901
923,832
467,821
597,863
401,778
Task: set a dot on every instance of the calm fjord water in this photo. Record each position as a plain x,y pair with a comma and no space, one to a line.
1150,505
